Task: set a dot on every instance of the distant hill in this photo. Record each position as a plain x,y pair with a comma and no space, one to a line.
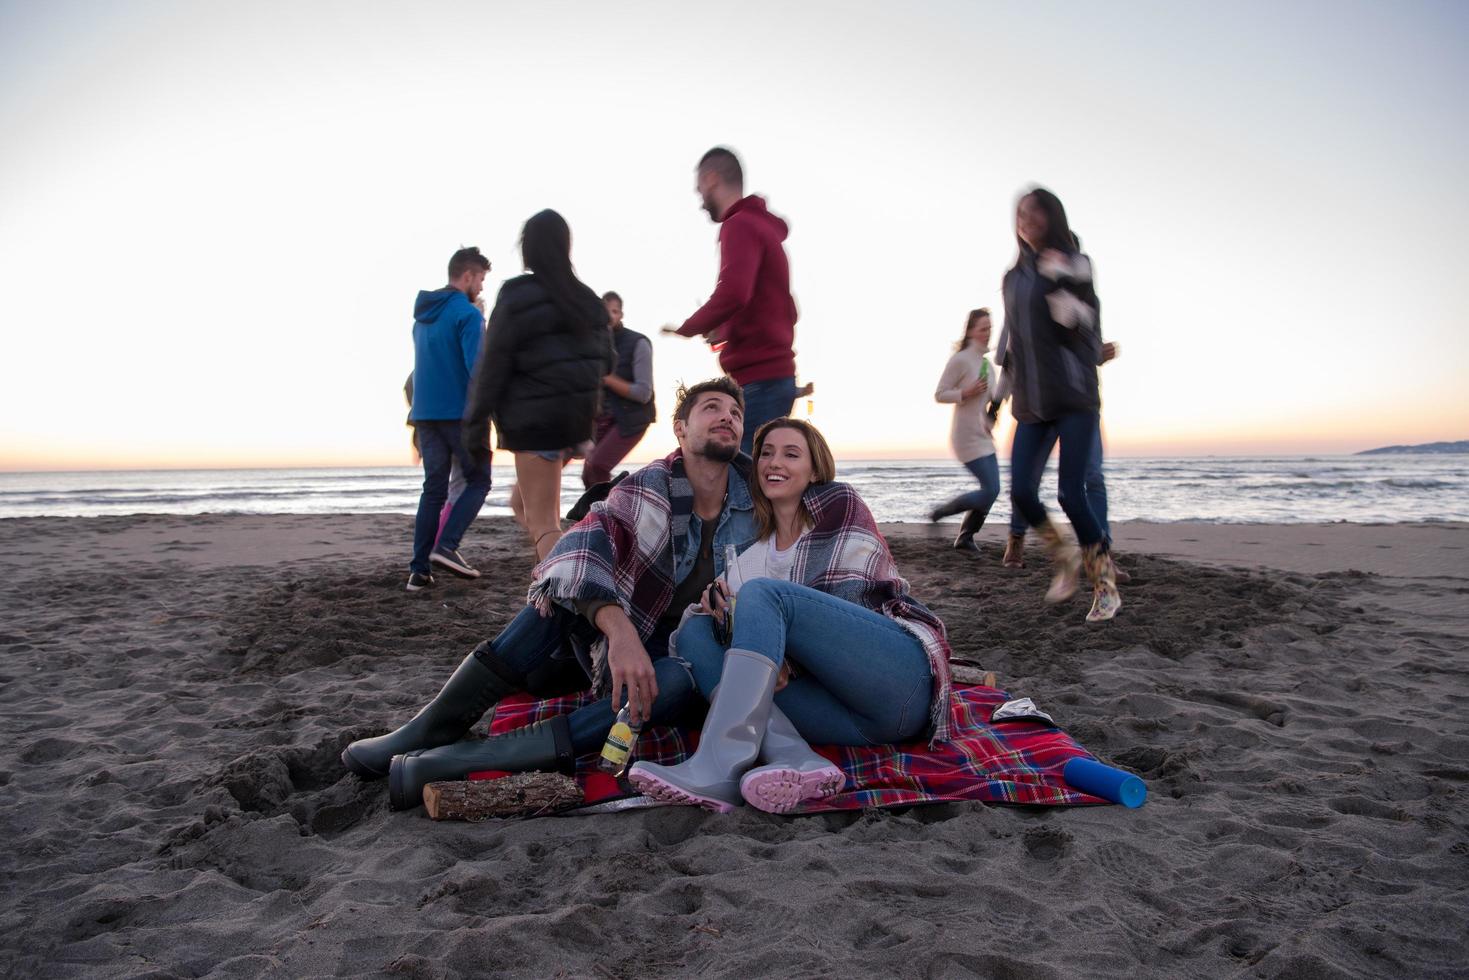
1462,446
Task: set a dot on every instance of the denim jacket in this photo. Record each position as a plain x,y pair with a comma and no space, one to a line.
736,526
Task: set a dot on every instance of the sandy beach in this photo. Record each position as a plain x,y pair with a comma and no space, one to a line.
174,693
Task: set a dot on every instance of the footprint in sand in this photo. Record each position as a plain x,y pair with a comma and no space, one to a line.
1046,844
875,935
308,783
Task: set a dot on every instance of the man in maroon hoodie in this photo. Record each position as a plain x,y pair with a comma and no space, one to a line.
751,312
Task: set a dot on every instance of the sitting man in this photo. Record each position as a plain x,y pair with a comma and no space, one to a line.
630,568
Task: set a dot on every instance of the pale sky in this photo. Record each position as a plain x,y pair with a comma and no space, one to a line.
214,217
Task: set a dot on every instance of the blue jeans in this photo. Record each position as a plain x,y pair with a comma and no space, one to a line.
1077,433
1096,485
531,640
986,470
861,679
439,444
766,400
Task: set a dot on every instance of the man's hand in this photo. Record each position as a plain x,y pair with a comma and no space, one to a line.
629,665
784,677
1109,351
975,390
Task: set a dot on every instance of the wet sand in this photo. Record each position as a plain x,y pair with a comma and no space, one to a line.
174,693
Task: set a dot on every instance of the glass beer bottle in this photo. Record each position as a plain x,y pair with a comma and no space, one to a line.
617,750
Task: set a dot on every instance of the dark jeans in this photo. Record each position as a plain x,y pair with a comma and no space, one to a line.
439,444
611,448
1096,485
531,642
766,400
986,470
1077,433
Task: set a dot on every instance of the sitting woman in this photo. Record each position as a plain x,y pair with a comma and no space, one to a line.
825,644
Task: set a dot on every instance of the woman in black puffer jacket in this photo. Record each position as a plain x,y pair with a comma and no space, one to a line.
539,375
1052,348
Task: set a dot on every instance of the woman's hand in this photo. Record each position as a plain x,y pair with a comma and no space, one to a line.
1052,264
974,391
784,677
714,601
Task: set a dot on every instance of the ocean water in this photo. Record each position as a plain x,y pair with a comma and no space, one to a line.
1278,489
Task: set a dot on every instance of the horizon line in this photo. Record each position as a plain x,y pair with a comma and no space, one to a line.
9,471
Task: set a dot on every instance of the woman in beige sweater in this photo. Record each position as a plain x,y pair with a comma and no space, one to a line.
967,379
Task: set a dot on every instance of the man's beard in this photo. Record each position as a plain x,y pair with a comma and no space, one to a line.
718,452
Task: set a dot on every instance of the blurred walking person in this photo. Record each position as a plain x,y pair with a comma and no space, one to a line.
627,402
966,384
1095,484
1053,341
447,334
751,312
547,349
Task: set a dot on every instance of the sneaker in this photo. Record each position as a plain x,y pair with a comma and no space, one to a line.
454,562
418,581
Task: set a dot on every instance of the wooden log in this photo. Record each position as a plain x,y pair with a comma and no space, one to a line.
524,794
969,674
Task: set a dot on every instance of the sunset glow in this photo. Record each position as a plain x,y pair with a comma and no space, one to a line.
214,218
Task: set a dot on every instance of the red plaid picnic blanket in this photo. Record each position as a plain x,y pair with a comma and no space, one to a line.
1004,762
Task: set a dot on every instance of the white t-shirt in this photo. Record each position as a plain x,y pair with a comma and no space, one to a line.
762,560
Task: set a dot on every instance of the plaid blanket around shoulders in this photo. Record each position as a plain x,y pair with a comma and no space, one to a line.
623,551
845,555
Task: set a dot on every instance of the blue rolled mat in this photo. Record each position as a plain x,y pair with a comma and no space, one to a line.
1091,776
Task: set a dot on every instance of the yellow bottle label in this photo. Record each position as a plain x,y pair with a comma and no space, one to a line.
618,745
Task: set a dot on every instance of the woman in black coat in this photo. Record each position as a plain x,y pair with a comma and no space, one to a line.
1052,348
539,376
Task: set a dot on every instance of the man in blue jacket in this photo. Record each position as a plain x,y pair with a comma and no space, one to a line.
447,330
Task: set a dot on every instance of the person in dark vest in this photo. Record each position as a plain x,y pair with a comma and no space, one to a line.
627,402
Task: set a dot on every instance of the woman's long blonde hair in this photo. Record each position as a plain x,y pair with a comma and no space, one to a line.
823,470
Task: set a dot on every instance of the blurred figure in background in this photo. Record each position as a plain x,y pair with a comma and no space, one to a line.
447,335
1095,483
965,384
751,312
627,403
547,349
1053,346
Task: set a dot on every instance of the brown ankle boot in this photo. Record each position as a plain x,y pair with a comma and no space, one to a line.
1103,576
1066,561
1014,551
